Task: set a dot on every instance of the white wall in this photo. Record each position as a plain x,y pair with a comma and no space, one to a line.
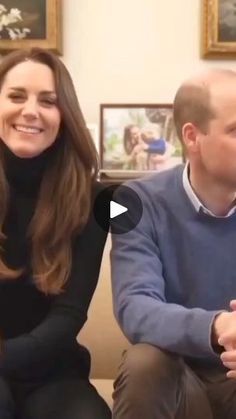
131,51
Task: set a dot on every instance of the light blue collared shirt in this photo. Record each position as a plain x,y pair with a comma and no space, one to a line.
198,205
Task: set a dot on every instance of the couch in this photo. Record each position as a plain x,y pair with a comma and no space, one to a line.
101,334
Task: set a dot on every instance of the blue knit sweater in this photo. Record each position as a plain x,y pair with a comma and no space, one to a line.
175,271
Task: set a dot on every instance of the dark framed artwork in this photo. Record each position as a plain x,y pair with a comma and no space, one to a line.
137,139
30,23
218,29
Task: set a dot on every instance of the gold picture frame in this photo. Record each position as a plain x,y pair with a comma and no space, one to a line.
35,24
218,29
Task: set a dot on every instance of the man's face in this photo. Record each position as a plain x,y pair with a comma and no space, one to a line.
217,147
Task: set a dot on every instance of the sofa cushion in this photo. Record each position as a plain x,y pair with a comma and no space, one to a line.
104,388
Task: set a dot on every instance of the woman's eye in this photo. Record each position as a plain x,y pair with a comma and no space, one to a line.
48,102
232,131
16,98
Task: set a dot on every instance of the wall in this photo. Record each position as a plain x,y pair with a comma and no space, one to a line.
131,50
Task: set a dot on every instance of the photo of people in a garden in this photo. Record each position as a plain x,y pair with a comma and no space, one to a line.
139,139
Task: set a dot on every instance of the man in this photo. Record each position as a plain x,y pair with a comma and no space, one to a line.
174,275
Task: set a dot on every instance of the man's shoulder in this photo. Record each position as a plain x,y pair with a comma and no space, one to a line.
161,184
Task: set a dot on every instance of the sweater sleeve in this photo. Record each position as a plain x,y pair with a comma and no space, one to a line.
138,282
40,348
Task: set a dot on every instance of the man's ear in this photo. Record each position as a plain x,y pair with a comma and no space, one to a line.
190,135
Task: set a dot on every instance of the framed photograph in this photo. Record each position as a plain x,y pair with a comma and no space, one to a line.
136,140
30,23
218,29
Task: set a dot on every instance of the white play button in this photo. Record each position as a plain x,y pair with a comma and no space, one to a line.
116,209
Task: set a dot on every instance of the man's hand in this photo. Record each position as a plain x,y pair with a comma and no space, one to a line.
224,334
221,327
229,360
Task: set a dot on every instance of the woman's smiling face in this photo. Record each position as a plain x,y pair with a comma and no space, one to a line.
29,115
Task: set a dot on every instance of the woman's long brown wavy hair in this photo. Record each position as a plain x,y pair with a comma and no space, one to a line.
64,199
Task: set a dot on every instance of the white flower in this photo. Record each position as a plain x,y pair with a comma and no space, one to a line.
15,33
16,13
6,19
2,8
12,18
11,33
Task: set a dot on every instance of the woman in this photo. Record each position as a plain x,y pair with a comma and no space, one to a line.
135,148
51,247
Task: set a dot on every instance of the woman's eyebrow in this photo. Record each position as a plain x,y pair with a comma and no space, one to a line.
48,92
19,89
43,92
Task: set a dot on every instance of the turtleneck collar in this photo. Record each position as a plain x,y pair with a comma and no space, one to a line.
25,174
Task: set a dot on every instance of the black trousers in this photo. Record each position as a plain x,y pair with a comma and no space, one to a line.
63,397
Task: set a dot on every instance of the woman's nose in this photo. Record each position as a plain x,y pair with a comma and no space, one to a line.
30,109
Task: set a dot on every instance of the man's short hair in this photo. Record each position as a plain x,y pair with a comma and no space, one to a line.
192,103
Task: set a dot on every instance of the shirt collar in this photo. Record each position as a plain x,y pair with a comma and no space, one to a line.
195,200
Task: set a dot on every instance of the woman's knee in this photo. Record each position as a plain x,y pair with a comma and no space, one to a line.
65,399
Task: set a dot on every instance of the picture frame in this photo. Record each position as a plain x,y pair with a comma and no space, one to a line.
218,38
28,24
136,140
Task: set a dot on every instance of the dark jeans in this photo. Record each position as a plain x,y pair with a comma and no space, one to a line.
153,384
61,398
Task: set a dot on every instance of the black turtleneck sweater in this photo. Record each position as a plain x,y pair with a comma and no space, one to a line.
39,331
